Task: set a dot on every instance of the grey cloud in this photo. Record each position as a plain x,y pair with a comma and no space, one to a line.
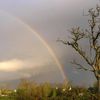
51,18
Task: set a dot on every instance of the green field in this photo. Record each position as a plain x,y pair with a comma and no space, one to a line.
5,98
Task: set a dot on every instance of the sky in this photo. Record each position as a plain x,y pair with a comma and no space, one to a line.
23,54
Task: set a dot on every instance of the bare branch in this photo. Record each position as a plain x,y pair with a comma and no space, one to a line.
96,37
92,34
75,46
77,34
79,66
64,42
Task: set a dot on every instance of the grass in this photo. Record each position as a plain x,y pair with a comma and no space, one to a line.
5,98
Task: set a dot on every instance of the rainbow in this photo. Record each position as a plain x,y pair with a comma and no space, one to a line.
42,40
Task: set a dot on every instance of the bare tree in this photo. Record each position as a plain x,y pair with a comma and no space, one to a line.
92,35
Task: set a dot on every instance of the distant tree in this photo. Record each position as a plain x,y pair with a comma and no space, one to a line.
92,36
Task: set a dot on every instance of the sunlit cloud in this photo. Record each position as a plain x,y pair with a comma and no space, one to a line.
11,65
39,70
17,64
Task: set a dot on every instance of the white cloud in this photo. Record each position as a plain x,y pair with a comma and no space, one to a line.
39,69
15,65
11,65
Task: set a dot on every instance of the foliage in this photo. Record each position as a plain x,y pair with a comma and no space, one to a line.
32,91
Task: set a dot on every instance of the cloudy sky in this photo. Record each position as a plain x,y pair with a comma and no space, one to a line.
25,54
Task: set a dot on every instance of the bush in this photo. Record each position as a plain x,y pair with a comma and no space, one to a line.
32,91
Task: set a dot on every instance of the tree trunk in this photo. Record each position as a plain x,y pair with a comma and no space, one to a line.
98,87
